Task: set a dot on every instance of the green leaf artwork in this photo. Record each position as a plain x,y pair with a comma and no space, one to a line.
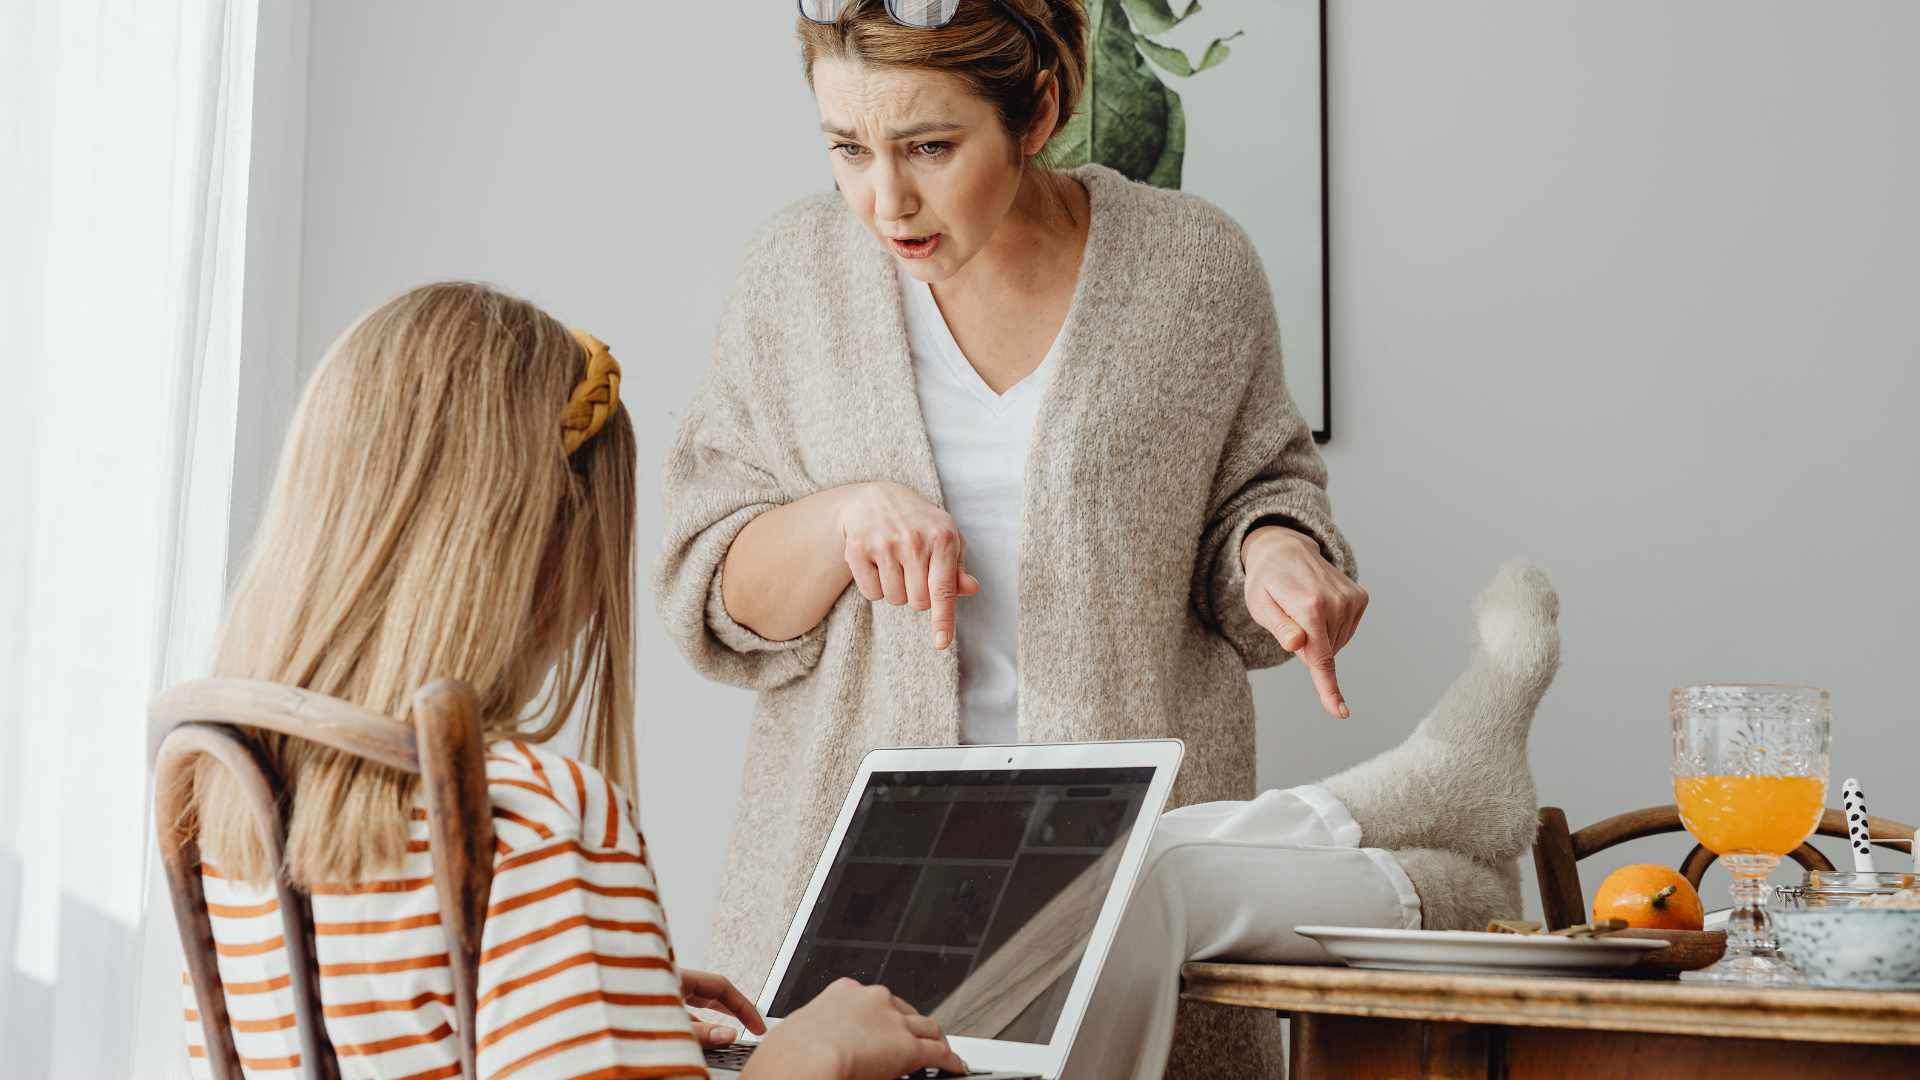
1129,119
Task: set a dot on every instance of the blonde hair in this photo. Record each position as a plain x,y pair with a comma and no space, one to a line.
427,522
983,47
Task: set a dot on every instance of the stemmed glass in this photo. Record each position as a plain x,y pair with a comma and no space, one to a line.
1750,777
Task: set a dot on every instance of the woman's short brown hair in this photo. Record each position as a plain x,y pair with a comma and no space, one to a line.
983,46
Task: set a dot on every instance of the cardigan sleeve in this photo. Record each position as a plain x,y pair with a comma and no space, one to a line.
715,481
1269,468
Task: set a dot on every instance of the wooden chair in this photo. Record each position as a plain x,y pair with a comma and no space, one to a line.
444,748
1556,851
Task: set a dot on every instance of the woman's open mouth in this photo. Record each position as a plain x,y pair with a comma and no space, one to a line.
914,247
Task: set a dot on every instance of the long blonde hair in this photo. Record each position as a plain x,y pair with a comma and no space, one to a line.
428,523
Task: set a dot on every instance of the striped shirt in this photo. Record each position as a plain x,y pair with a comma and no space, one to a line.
577,977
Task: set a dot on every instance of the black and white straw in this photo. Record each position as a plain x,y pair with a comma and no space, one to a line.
1853,803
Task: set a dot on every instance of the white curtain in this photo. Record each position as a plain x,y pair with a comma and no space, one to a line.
124,126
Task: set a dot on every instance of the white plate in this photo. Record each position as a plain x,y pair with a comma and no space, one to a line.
1467,951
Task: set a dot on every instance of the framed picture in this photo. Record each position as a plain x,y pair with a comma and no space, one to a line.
1227,101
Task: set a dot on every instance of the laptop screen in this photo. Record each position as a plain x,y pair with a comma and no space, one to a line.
971,895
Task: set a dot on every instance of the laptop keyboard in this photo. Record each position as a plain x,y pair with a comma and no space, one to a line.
735,1057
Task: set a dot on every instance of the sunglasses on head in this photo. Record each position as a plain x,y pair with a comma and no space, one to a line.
924,14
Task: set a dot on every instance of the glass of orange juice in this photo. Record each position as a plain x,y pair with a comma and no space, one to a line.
1750,777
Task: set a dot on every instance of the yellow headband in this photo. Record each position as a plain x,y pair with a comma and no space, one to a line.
596,396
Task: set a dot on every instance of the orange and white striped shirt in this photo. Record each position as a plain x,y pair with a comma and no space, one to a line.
577,977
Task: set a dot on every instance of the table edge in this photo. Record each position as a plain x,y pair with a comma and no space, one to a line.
1652,1006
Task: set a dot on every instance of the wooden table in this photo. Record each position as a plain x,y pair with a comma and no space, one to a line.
1352,1023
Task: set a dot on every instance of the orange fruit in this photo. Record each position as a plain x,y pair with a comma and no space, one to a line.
1649,897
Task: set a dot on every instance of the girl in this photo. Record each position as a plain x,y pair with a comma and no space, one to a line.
456,499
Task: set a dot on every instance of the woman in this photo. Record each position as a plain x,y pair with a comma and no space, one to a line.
456,499
1037,415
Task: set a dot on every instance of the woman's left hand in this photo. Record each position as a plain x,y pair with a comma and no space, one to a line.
1309,606
707,990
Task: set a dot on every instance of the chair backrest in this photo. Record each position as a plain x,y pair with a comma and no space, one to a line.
444,748
1556,851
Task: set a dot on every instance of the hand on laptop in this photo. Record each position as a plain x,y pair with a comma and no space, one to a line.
708,990
853,1032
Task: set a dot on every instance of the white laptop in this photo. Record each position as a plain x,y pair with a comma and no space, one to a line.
981,884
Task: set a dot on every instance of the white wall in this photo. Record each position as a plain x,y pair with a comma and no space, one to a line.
1628,288
270,322
1618,287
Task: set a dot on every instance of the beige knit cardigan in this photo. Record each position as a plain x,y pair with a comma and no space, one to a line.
1165,432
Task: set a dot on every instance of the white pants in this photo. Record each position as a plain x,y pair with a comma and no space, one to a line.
1230,880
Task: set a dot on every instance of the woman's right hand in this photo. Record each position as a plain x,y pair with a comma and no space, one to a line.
905,550
853,1032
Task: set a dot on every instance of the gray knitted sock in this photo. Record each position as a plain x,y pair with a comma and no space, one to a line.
1461,781
1459,893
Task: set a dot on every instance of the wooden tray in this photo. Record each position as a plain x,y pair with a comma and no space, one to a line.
1687,950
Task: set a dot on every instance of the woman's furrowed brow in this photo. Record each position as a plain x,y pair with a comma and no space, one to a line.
910,131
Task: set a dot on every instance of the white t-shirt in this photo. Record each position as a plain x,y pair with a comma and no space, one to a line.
979,443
